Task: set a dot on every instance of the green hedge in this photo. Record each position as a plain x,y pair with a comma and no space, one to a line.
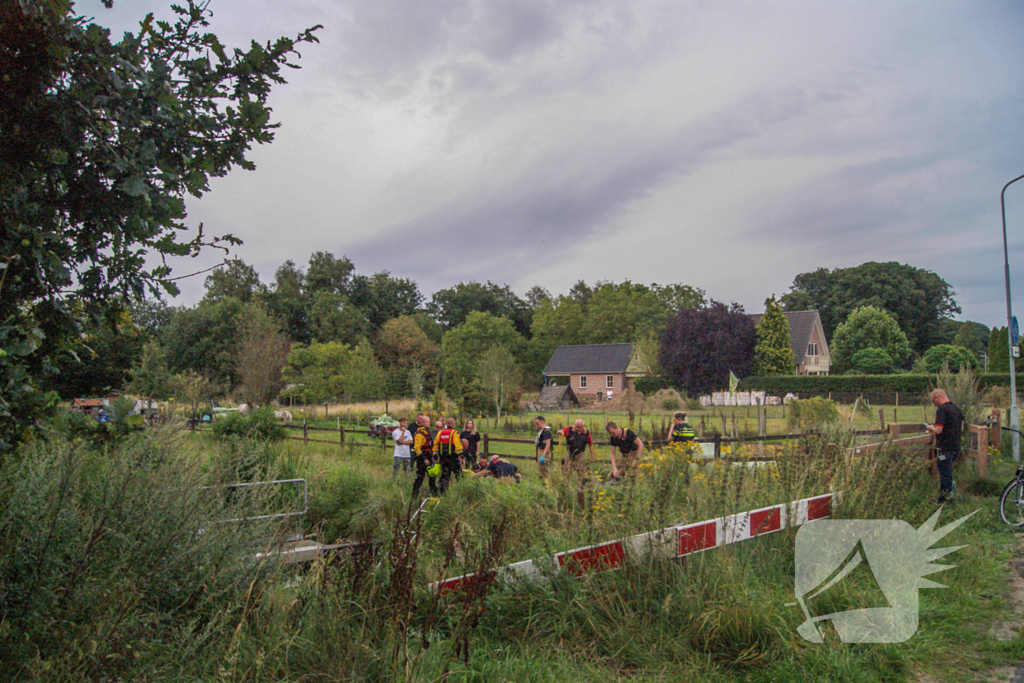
780,385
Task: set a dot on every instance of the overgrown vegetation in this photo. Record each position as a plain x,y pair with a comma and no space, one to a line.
107,548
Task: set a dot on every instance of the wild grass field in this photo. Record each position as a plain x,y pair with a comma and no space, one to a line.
115,568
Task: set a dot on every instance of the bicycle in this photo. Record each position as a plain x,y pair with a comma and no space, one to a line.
1011,503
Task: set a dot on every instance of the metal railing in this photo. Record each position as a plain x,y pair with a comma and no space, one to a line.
301,492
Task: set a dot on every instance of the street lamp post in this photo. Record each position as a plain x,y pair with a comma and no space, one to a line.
1014,418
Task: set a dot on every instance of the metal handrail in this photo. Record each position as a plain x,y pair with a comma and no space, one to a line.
303,488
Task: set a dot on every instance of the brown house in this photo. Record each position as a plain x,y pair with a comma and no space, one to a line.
594,370
807,337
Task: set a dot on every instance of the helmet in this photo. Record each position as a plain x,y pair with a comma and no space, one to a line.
434,470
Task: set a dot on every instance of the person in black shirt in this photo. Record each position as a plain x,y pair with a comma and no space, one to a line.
542,445
470,444
630,447
499,469
947,429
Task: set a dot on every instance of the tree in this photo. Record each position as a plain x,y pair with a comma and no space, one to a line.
333,371
333,318
463,346
500,375
868,328
262,353
103,142
205,339
402,344
150,378
773,353
326,273
972,336
236,279
383,297
700,346
919,300
288,302
949,356
535,295
872,361
999,352
452,306
193,390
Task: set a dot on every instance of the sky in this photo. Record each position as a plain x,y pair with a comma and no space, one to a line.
725,145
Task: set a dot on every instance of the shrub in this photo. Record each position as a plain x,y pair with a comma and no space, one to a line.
947,355
671,403
872,361
109,561
259,424
812,413
908,383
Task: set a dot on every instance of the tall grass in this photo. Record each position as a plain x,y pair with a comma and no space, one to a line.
115,569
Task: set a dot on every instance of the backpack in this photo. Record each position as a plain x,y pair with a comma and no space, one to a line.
446,442
576,441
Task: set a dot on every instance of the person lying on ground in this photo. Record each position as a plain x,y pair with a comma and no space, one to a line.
499,469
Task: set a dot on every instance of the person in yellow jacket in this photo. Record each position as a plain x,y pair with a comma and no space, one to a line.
447,449
422,450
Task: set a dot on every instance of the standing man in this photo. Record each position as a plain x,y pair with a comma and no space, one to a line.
577,440
448,449
948,425
423,448
629,446
403,439
681,433
542,445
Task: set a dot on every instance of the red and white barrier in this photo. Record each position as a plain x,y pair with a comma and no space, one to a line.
674,541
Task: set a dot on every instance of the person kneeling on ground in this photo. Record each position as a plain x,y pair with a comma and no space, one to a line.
629,446
499,469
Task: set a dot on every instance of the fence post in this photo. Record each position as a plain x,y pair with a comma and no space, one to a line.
487,444
718,445
305,433
341,434
983,437
881,418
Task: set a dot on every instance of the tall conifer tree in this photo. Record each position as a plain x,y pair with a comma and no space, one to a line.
773,354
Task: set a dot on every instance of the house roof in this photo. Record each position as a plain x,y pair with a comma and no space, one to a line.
585,358
88,402
801,324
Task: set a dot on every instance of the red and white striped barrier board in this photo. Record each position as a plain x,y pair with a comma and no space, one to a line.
675,541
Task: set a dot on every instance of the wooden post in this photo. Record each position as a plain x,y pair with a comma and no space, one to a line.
486,444
983,436
305,433
341,434
718,445
881,418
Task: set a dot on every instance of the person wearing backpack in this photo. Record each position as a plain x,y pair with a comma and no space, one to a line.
422,446
448,449
630,447
577,441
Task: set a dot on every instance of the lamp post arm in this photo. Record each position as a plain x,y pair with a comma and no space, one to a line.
1014,417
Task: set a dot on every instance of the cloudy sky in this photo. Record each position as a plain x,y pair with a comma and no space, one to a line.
725,145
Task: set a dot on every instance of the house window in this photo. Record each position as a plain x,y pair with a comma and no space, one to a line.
583,381
812,349
609,382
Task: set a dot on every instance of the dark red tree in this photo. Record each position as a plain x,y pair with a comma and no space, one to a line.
701,345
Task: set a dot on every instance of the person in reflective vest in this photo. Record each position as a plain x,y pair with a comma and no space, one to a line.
422,448
448,449
681,431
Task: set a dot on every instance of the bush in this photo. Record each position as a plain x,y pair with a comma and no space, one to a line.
111,561
651,384
947,355
908,383
812,413
671,403
259,424
872,361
